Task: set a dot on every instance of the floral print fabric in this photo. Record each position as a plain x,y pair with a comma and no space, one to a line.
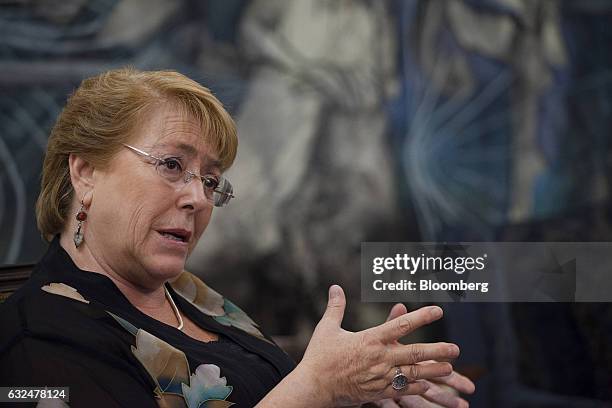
176,386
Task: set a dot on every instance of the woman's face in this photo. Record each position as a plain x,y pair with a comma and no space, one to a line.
140,226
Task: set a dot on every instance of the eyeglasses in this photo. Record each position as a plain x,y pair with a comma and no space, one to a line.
218,190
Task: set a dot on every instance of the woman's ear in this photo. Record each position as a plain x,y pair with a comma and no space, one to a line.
82,177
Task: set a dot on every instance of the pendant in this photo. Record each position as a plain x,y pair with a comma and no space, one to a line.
78,238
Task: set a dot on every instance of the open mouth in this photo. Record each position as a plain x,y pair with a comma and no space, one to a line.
175,235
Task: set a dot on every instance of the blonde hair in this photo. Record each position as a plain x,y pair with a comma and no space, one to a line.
104,112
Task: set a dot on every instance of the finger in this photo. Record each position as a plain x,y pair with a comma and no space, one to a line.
417,353
407,323
335,305
445,398
457,381
416,372
396,311
387,403
416,401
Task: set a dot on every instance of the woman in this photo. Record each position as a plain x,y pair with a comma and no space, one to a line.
131,175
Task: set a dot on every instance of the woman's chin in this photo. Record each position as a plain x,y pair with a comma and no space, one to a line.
163,270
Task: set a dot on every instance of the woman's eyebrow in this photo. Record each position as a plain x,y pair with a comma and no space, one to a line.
188,149
191,151
213,163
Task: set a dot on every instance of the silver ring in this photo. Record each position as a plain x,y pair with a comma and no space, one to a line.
399,380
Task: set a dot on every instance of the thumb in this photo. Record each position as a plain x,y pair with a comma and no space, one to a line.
335,305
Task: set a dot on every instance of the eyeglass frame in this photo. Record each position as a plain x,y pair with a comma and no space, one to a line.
187,176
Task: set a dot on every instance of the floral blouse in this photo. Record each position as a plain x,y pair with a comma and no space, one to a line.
71,328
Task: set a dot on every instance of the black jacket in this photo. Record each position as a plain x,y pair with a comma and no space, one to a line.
112,355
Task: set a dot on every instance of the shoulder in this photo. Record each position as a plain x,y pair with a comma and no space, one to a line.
51,335
26,308
54,312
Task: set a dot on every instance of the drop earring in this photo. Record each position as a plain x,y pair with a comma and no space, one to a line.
81,216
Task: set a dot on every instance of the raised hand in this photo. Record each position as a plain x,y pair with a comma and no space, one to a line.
350,368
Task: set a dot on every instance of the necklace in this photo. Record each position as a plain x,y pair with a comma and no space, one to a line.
175,309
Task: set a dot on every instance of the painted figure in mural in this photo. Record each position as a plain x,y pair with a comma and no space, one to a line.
480,80
314,170
132,173
490,135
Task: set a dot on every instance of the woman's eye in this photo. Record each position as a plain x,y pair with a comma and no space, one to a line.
172,165
210,182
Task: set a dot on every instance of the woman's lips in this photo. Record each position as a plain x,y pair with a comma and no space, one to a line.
176,234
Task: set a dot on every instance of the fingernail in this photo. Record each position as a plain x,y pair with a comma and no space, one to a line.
453,350
436,312
334,291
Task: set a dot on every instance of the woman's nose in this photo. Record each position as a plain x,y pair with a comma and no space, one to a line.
193,195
